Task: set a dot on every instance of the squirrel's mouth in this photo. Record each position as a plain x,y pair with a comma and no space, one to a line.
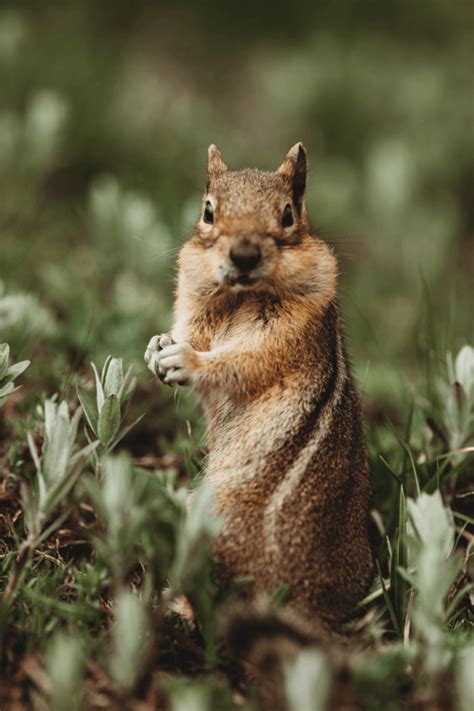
235,279
246,280
242,281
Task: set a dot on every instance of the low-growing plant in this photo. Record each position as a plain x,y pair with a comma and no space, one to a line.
192,572
423,469
131,640
431,570
107,408
58,468
122,500
200,694
9,372
65,668
456,396
146,516
307,681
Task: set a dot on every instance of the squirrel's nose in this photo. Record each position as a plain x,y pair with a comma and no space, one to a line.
246,255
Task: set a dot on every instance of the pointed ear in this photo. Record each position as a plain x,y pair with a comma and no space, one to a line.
215,164
295,167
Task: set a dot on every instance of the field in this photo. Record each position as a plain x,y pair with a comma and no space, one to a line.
106,112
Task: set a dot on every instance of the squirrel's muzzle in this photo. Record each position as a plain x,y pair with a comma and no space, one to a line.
245,255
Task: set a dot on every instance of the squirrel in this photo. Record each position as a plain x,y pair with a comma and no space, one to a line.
257,334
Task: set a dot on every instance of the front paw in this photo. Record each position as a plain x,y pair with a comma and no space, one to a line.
155,346
178,362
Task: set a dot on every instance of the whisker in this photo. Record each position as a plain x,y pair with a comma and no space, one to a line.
159,254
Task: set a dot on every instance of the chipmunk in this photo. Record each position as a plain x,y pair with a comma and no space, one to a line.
257,334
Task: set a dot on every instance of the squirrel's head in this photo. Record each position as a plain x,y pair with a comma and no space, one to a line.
253,232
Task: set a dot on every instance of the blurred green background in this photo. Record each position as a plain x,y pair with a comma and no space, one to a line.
106,112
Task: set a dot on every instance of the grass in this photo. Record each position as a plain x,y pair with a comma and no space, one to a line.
101,162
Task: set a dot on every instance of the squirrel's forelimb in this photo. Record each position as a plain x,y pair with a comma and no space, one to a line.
256,355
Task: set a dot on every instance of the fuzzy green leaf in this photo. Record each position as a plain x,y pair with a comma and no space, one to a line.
109,420
61,488
127,389
65,664
98,389
4,359
89,405
56,448
131,639
432,522
113,379
307,681
16,370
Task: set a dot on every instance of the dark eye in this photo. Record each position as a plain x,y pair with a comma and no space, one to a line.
208,213
287,216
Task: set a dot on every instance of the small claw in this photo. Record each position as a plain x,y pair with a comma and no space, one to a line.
152,364
170,361
164,378
165,340
171,350
177,376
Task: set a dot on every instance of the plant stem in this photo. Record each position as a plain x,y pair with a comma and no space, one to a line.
23,557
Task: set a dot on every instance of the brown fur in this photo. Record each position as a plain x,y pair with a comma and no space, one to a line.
265,352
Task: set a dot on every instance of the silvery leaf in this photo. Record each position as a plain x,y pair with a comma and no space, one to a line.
59,489
127,389
65,665
105,367
50,408
464,369
131,639
84,453
30,507
432,522
15,370
307,681
109,420
73,425
4,359
116,487
99,389
200,527
89,405
56,448
33,451
114,377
